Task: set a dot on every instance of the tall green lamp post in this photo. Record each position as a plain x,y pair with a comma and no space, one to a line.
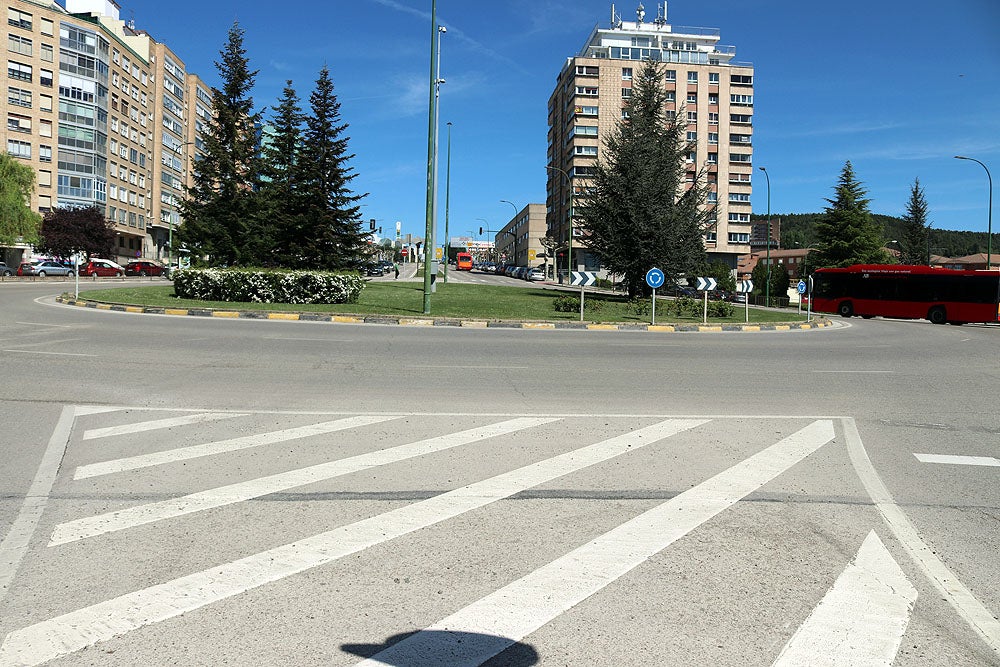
989,210
767,285
569,243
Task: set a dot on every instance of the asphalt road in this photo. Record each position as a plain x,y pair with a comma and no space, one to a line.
183,490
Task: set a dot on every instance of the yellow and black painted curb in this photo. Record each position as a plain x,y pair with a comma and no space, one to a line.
818,323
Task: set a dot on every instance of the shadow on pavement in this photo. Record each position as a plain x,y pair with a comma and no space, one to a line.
439,648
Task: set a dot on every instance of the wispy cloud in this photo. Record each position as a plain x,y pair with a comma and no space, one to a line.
841,130
455,33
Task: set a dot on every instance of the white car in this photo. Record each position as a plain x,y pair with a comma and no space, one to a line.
535,274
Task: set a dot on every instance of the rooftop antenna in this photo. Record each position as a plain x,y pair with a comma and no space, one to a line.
640,14
616,19
131,22
661,15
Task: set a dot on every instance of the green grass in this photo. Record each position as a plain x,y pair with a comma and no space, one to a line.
479,302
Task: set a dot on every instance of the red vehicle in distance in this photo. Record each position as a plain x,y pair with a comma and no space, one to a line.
463,261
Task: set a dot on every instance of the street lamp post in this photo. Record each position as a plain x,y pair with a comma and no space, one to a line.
767,284
514,236
989,210
447,205
431,153
569,243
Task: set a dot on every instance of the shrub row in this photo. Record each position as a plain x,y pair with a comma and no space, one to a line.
267,286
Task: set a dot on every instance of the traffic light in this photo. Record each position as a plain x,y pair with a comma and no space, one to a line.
371,224
480,231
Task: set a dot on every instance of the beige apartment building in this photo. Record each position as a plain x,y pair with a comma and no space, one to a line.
104,114
712,93
518,242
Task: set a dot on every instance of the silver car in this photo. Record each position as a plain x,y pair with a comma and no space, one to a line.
49,268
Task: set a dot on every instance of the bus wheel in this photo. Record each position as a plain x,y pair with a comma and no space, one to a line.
846,309
937,315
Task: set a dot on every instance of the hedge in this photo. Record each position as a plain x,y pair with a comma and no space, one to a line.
267,286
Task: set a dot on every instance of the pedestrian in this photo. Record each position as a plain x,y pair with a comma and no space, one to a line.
395,267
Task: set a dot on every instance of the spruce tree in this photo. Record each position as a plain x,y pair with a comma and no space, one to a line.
327,232
639,211
221,217
847,233
280,167
914,238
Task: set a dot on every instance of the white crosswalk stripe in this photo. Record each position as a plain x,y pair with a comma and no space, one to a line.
504,466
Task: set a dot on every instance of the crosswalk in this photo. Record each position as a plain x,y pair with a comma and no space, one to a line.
140,477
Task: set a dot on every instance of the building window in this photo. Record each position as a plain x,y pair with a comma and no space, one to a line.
741,100
45,102
713,78
585,70
45,78
744,158
692,77
579,111
740,139
713,98
692,116
713,137
741,80
19,97
692,98
740,119
45,153
739,198
21,149
710,237
626,93
713,197
589,91
45,128
586,151
18,19
47,27
19,44
18,71
626,73
670,96
739,217
739,237
670,76
46,52
713,158
692,136
713,118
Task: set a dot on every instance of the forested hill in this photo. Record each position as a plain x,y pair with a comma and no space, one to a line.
798,230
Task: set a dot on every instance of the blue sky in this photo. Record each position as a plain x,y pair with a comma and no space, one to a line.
897,87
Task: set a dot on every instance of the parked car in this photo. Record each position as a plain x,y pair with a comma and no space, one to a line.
373,270
5,270
536,273
44,268
102,267
143,267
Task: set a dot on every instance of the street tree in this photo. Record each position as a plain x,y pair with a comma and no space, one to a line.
639,211
780,280
221,216
281,178
18,223
847,234
914,238
326,233
66,231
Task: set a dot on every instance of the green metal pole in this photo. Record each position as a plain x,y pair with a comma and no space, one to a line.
432,109
569,243
767,285
447,204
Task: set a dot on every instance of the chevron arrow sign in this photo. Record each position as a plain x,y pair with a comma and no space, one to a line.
583,278
706,284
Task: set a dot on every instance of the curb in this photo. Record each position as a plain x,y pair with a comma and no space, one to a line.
819,323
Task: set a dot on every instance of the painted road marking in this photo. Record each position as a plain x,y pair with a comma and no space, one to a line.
972,611
959,460
222,446
140,427
861,620
79,529
15,543
85,627
520,608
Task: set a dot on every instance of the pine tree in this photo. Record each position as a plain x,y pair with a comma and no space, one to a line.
221,218
914,239
327,233
847,234
280,176
639,211
18,223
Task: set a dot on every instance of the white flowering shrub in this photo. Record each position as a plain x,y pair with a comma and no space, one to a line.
267,286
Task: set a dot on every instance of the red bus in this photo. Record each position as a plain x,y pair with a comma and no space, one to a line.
908,292
463,261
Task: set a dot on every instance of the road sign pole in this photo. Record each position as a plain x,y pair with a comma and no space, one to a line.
654,306
581,303
705,316
746,306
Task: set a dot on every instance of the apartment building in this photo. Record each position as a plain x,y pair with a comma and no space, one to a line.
100,111
705,85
